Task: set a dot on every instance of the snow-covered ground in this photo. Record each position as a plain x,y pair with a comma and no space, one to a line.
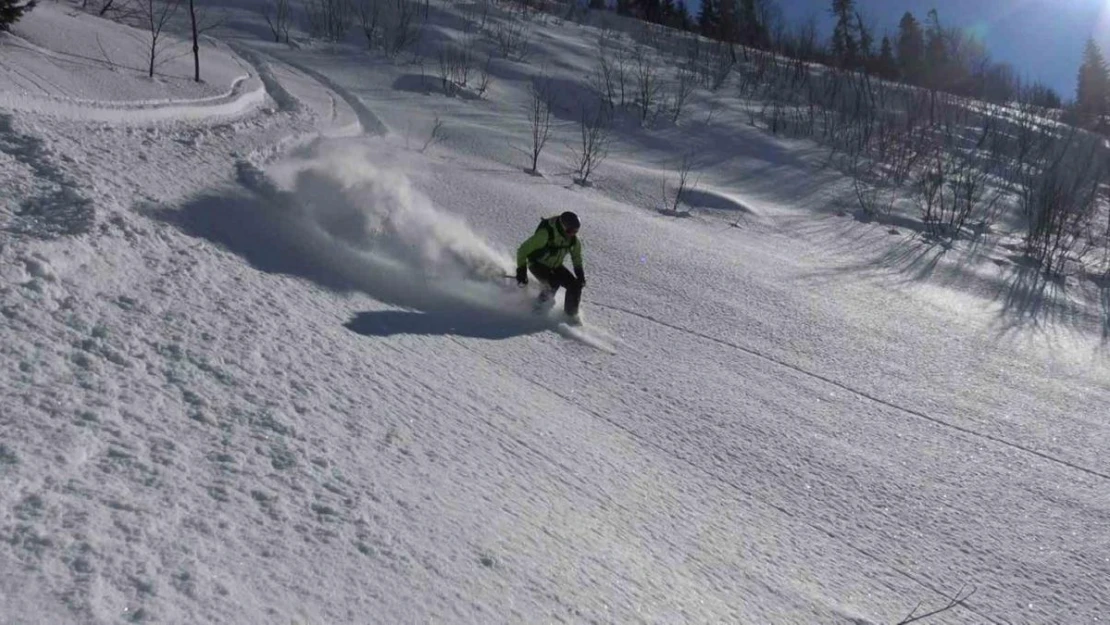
255,368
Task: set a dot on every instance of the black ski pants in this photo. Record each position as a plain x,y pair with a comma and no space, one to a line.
557,278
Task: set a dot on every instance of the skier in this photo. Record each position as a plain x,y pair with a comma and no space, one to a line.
543,254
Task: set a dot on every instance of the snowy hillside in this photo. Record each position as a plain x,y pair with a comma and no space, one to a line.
260,361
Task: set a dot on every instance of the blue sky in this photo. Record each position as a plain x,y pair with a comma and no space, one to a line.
1043,39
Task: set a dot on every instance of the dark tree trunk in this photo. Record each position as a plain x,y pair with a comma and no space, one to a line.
196,41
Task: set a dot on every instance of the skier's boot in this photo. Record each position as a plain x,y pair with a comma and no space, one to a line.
545,300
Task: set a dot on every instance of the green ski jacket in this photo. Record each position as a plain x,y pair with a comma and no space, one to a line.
549,246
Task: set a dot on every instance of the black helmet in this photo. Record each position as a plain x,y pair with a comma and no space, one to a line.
570,222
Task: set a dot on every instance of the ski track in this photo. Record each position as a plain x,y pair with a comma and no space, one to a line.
864,394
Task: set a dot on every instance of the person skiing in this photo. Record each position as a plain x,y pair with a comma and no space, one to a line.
543,254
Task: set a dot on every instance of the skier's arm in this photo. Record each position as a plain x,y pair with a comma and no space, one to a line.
534,243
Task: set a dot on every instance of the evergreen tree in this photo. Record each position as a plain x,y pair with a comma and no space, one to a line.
844,46
1044,96
726,21
682,16
12,10
624,7
1093,86
866,41
911,49
887,65
709,19
597,5
650,11
752,32
668,12
936,53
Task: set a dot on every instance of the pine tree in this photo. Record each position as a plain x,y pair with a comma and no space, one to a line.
911,49
12,10
682,13
844,45
752,32
668,13
726,22
936,53
649,10
597,5
887,66
1093,86
866,41
709,19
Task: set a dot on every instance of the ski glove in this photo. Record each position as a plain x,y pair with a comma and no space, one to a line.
580,276
522,276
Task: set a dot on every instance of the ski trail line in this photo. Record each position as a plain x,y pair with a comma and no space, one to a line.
860,393
730,484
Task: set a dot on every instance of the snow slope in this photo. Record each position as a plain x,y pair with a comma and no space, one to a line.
259,369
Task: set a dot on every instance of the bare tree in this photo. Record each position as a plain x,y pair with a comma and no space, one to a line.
402,29
647,82
594,146
610,77
511,37
328,19
155,16
1061,200
435,136
484,78
455,64
369,14
539,113
684,169
278,16
684,87
200,24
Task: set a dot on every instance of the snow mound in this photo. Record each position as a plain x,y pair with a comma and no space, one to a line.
70,64
714,200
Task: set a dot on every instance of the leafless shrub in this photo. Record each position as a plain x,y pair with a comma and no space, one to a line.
539,114
970,194
126,11
672,200
647,82
369,13
930,190
402,28
434,136
594,146
390,25
611,74
957,600
155,17
684,85
511,37
328,19
279,16
484,78
455,64
1061,200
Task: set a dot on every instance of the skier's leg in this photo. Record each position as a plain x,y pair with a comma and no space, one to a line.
547,279
562,277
